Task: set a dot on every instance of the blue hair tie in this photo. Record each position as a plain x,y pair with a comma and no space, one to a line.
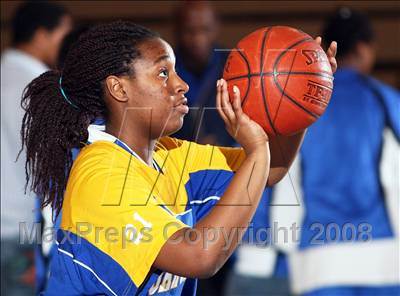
65,96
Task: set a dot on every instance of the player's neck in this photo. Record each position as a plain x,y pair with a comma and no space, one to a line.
136,140
353,63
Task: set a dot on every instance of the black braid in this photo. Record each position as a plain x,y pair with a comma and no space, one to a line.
51,127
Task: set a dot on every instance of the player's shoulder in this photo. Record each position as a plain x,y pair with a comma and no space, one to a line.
384,88
98,160
100,152
188,153
104,171
171,144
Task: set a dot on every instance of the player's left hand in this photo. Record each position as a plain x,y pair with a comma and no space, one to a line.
331,53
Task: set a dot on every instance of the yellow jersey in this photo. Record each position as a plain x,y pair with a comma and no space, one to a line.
118,212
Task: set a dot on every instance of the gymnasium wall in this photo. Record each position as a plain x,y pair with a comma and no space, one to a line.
242,17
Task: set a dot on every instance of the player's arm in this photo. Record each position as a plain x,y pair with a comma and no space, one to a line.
284,148
201,251
283,151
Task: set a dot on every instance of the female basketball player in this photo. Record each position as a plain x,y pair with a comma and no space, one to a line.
138,214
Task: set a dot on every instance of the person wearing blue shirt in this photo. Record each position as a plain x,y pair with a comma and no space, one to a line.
348,244
200,64
37,30
200,61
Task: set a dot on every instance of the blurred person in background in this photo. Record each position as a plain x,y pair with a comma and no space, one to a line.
200,62
37,31
256,268
200,65
67,43
349,238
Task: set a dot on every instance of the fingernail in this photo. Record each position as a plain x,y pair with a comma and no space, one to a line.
217,83
235,89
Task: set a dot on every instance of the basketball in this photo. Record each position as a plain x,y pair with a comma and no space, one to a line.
284,77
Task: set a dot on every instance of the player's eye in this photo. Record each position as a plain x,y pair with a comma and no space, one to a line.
163,73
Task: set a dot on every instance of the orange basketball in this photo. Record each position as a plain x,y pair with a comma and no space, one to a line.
284,77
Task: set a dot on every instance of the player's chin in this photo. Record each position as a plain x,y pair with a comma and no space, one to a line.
174,125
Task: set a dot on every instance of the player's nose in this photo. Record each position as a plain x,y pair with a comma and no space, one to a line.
181,87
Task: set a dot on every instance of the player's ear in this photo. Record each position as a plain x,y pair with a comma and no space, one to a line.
115,86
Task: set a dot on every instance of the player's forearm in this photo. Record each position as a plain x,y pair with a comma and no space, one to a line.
225,225
201,251
283,152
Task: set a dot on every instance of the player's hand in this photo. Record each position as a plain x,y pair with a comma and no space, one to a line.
330,53
245,131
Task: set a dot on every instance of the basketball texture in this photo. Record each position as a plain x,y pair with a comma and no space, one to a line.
284,77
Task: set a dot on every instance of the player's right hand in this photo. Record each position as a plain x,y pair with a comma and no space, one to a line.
249,134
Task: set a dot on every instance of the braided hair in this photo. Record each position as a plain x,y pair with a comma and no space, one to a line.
60,106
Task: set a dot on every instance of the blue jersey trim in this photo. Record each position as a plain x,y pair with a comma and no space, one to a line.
80,268
204,189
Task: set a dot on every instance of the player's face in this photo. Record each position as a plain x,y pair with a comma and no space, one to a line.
158,89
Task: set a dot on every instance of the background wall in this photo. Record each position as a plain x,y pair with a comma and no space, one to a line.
240,18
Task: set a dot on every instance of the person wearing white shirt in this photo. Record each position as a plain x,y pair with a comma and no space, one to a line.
38,30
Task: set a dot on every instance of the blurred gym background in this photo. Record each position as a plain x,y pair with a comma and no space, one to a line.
242,17
237,19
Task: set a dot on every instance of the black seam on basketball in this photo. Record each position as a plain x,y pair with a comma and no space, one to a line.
276,76
264,99
286,82
248,76
304,73
287,49
281,73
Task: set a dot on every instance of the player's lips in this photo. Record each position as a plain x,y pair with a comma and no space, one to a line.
181,106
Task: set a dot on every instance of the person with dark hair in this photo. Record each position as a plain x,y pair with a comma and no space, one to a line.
200,61
37,31
138,213
38,28
353,31
349,237
67,43
196,29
